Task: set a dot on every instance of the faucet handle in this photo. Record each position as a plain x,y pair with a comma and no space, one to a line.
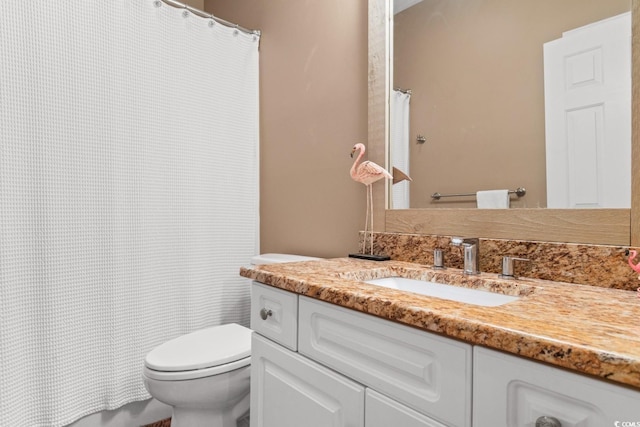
438,261
507,266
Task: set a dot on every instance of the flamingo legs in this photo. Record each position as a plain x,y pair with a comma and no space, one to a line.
371,222
368,222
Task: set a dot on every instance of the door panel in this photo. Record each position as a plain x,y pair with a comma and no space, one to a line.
587,83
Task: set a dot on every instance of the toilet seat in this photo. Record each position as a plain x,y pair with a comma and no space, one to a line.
196,373
202,353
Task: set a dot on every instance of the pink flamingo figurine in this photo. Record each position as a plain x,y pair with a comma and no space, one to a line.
634,267
367,173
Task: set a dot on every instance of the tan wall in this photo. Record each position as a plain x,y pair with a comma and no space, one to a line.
198,4
476,73
313,109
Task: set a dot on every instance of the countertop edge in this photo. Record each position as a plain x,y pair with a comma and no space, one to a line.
579,357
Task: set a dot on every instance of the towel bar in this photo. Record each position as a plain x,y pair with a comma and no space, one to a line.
520,191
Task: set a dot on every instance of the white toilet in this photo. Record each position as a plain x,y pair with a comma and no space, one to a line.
205,375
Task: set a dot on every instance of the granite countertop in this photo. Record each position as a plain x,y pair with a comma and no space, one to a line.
584,328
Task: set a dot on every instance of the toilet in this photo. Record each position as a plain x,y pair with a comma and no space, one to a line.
205,375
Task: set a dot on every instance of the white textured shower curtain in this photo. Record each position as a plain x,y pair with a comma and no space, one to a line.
399,141
128,195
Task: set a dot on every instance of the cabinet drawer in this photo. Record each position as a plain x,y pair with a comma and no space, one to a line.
287,390
380,411
515,392
281,323
428,373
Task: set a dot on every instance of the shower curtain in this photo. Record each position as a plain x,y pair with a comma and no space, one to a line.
128,195
399,141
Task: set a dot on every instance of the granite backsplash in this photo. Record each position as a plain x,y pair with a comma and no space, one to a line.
596,265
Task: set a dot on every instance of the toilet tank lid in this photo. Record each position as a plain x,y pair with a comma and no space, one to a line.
202,349
277,258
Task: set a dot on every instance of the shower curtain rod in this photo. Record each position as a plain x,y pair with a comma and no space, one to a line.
405,91
204,14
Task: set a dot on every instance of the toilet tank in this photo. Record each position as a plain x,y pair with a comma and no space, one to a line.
277,258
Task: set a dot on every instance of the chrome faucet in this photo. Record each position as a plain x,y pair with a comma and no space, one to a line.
471,253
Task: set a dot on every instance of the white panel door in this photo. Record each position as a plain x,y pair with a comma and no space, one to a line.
587,79
288,390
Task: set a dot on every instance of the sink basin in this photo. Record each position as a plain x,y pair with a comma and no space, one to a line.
449,292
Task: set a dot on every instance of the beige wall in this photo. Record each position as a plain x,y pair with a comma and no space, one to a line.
476,73
198,4
313,109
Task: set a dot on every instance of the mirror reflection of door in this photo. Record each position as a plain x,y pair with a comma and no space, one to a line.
587,77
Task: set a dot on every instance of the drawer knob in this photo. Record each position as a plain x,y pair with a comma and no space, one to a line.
545,421
264,313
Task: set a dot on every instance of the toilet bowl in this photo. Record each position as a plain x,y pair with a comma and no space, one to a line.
205,375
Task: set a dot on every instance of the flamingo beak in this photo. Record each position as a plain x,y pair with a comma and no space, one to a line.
352,151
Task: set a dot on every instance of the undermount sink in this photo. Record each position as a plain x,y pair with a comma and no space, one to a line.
449,292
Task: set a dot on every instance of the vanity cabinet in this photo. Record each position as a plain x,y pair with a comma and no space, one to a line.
510,391
319,364
351,369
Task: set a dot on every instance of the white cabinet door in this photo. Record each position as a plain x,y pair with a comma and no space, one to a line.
510,391
426,372
288,390
384,412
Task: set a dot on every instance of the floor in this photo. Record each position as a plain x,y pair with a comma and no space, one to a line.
163,423
242,422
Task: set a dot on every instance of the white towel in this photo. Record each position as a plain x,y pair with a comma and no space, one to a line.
493,199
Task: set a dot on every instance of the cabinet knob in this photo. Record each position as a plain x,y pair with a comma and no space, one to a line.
545,421
264,313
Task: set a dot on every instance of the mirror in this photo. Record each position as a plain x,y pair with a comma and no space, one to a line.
476,73
590,226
